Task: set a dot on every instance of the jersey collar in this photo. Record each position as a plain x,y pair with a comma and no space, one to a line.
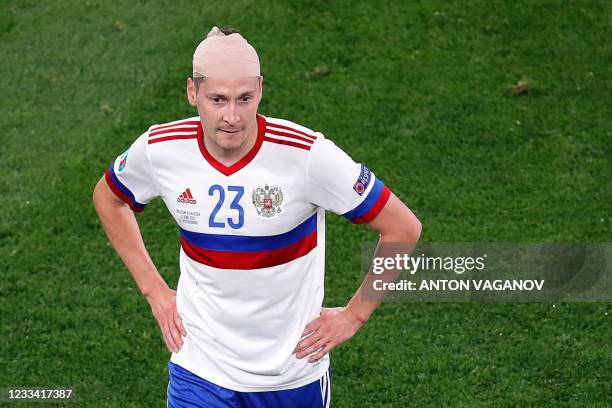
229,170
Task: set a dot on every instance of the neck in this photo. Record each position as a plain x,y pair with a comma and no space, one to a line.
230,156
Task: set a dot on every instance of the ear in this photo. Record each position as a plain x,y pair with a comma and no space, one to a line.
191,92
260,88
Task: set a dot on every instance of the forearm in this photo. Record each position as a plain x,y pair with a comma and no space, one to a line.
335,326
399,231
365,301
122,230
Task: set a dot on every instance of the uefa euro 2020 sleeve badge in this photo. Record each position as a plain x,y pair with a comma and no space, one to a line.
123,161
267,201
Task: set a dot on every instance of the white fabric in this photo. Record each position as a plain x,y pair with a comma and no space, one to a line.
243,325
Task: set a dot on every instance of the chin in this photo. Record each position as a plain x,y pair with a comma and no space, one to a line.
231,146
231,142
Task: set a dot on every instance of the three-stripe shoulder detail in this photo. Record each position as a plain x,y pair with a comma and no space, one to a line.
178,130
289,136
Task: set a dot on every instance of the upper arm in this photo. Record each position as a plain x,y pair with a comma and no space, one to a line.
103,194
396,222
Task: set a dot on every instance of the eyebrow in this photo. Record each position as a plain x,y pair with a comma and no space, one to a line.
216,95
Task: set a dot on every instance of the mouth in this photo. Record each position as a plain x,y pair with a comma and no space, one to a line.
230,131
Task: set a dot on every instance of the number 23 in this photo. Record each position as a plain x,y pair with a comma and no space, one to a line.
239,190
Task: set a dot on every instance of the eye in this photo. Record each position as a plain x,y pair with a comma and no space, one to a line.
246,99
216,100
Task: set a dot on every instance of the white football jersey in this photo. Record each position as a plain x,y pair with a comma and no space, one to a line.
252,241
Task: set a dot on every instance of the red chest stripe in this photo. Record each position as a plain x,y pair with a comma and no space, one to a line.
251,260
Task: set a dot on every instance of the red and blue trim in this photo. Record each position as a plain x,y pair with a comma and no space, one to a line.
371,206
121,190
250,252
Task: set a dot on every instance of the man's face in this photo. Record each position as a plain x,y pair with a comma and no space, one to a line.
227,108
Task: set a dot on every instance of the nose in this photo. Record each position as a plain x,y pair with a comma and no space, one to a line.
229,115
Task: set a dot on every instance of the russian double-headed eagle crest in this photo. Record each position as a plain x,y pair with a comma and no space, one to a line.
267,201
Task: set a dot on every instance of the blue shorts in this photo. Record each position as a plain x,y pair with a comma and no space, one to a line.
187,390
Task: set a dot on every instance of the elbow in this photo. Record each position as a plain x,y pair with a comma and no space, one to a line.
410,230
407,230
413,230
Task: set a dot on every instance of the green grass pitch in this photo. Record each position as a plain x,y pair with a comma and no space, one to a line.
421,91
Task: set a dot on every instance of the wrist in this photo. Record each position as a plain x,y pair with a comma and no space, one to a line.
153,291
358,315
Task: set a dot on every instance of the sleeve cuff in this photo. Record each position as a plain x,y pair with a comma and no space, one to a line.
371,206
122,191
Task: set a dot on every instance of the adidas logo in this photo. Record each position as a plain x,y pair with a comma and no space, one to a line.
186,198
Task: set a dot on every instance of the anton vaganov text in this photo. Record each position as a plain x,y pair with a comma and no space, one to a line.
461,285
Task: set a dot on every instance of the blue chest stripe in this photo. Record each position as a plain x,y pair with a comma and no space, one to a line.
241,243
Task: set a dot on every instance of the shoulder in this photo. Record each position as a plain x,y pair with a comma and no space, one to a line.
176,130
287,133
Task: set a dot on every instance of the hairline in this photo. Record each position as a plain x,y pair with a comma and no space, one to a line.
197,80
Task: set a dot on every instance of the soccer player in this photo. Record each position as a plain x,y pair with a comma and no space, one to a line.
245,327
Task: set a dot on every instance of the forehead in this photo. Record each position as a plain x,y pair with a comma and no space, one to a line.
220,86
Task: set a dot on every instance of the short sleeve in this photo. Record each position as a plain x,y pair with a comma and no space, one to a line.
338,184
131,177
